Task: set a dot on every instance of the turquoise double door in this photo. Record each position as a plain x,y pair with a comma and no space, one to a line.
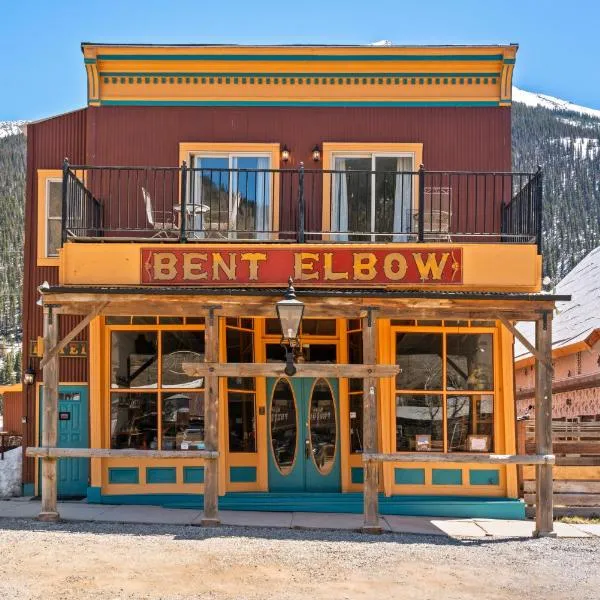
73,410
303,435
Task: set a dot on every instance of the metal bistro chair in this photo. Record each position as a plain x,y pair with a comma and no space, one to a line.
162,221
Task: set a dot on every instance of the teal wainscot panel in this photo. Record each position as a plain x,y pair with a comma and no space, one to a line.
161,475
357,475
484,477
123,475
409,476
242,474
193,474
446,477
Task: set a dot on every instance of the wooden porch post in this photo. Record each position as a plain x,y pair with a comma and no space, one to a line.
371,468
49,511
211,424
544,518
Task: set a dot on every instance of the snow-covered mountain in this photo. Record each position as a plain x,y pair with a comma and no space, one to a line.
550,102
10,128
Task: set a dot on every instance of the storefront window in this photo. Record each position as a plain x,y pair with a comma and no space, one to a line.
470,423
447,420
181,350
419,356
356,421
242,422
133,422
134,360
419,422
134,357
469,361
241,397
183,421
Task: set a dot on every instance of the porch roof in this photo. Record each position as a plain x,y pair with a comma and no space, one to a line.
320,302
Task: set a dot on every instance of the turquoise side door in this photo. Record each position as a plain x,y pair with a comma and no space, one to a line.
304,440
73,410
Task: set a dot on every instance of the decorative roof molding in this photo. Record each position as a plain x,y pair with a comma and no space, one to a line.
299,75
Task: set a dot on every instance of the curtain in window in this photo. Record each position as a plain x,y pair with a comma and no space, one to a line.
263,199
403,197
339,210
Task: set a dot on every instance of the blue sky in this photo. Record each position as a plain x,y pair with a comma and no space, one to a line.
42,73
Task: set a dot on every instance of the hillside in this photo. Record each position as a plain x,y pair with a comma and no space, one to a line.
562,137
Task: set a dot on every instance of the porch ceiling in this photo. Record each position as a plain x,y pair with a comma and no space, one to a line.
319,302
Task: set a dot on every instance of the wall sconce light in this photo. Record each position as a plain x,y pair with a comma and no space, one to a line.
29,376
285,154
316,153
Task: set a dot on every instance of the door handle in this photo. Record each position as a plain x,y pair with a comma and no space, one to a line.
307,448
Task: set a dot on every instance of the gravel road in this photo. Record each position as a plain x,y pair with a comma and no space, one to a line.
111,560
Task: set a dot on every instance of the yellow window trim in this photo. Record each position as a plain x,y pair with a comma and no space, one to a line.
332,148
188,149
43,175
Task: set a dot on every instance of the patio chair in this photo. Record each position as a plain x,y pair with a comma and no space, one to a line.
162,221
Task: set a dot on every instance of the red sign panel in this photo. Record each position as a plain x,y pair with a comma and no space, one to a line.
331,266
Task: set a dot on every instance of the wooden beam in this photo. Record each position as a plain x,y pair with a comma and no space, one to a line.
440,457
525,341
71,335
571,384
544,516
49,511
370,469
211,423
43,452
277,370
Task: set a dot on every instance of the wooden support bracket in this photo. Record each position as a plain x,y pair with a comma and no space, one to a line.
524,341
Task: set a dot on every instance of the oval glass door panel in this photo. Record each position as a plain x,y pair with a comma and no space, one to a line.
323,427
284,426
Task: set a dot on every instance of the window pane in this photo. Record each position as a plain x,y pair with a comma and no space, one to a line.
356,421
170,320
419,356
470,364
240,346
470,423
272,326
181,348
351,202
318,327
320,353
143,320
133,421
183,421
134,357
419,423
242,422
116,320
54,199
54,237
355,348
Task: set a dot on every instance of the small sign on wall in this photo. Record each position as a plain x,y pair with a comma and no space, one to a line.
76,349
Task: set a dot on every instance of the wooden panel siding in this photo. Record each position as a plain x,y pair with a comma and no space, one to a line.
454,139
48,143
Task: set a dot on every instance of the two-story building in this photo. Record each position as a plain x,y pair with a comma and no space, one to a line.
197,180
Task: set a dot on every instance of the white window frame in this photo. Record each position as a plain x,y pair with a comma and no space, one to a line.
374,156
47,217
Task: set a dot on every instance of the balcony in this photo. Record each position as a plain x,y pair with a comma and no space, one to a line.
183,204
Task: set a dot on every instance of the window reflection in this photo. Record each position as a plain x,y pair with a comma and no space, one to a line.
323,428
470,423
419,422
180,351
469,361
183,421
133,359
242,422
283,426
419,356
133,421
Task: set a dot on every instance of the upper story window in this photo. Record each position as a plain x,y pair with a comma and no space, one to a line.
373,190
49,216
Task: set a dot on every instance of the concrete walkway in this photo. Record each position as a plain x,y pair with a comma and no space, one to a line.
456,528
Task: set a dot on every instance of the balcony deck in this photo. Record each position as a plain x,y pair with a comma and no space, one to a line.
183,204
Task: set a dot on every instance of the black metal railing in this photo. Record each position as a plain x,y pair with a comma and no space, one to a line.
182,204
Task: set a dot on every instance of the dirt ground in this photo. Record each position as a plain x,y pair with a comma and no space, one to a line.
87,560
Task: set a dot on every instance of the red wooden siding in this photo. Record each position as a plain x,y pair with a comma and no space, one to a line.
13,408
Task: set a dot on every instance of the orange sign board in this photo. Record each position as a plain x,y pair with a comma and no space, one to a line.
322,266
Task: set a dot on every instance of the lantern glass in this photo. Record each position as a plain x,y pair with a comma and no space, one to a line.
290,316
